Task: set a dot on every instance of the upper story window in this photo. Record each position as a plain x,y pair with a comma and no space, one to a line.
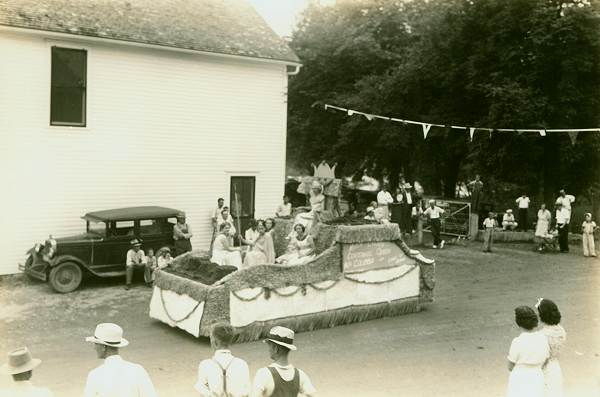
68,88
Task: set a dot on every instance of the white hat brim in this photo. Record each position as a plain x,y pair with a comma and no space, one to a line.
6,369
289,346
92,339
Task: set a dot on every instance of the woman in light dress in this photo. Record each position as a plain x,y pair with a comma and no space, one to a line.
528,353
224,253
550,317
262,250
317,203
301,249
269,224
543,221
225,217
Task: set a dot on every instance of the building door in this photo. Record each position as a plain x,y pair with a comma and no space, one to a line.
242,200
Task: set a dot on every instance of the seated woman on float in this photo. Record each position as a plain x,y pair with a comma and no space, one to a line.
317,205
301,249
262,250
224,253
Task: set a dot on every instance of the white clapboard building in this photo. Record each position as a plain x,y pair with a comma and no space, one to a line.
118,103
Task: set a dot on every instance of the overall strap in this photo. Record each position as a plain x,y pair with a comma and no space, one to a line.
224,370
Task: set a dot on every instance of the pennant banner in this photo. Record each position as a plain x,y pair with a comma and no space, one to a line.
573,132
426,128
573,136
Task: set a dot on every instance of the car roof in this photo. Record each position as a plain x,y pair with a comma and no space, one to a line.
131,213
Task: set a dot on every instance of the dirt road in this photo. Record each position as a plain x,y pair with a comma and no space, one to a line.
455,347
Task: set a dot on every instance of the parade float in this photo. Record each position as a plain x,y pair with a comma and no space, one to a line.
361,272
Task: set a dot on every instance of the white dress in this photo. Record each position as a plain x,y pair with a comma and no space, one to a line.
552,373
543,223
300,253
528,352
222,256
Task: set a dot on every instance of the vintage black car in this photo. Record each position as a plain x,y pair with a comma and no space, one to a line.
100,251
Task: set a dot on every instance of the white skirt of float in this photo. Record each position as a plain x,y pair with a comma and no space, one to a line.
376,286
181,311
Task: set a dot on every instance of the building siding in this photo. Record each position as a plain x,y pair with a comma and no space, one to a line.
163,128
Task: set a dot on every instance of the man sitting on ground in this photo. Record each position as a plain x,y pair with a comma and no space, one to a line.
508,221
281,378
20,366
223,374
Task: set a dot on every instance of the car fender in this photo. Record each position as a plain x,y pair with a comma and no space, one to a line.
68,258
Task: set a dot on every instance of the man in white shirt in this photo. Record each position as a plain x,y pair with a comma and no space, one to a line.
284,210
135,259
563,217
20,366
217,211
434,213
281,378
384,198
223,374
523,203
508,221
115,377
565,200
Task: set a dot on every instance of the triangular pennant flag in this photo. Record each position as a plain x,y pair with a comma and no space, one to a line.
542,132
368,116
426,128
573,136
471,133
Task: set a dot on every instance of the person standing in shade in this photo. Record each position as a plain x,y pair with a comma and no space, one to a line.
562,225
489,224
223,374
284,210
434,213
20,366
523,203
406,200
281,379
476,188
182,233
384,199
565,200
528,353
115,377
587,230
135,259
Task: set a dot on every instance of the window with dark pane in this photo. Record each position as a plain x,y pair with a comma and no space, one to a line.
67,98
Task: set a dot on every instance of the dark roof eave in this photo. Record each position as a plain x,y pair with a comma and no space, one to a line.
293,62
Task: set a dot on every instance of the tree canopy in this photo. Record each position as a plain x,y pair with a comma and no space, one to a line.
492,63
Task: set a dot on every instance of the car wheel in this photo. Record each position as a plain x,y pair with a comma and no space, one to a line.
65,277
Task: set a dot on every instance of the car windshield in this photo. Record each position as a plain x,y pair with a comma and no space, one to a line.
97,227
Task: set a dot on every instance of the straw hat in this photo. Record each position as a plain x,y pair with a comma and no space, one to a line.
282,336
20,361
135,242
108,334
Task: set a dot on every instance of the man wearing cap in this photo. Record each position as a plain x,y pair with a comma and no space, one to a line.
182,233
223,374
20,366
281,379
135,259
508,221
115,377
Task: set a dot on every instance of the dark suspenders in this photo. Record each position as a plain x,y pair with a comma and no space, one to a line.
225,393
